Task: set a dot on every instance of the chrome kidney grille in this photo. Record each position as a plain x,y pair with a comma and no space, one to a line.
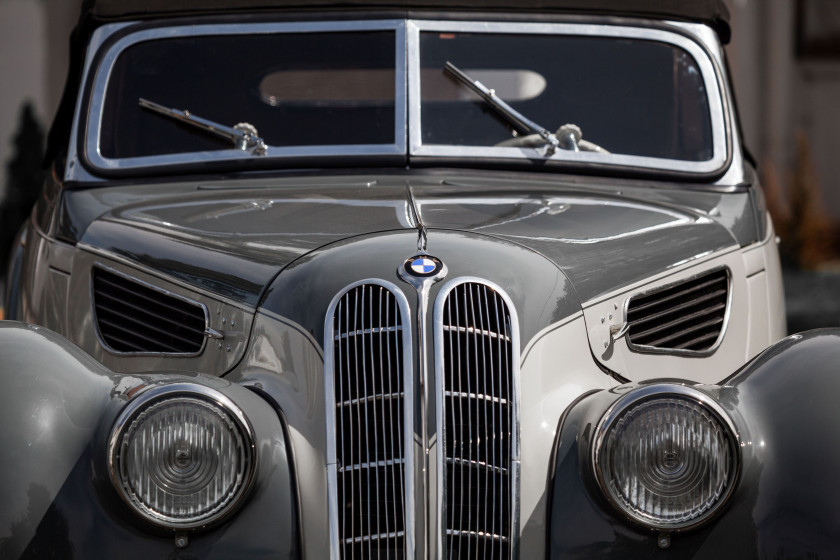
368,458
688,316
370,388
476,421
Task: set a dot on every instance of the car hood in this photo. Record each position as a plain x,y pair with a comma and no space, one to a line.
233,239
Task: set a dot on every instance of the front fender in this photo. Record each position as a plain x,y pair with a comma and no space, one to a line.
786,503
57,408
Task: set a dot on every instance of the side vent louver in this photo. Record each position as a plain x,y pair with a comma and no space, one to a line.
134,317
688,316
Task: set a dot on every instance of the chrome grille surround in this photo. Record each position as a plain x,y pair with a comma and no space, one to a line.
367,334
700,304
133,317
477,320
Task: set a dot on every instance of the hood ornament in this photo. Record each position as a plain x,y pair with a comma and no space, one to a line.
422,234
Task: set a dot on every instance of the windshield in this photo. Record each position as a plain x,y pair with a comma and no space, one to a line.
299,89
521,93
632,97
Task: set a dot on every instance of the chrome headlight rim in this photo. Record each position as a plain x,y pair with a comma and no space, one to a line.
638,396
155,395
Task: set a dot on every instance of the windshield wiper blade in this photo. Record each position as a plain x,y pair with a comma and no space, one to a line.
243,135
514,117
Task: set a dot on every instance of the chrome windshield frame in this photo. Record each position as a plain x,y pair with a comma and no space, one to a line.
407,148
679,37
91,141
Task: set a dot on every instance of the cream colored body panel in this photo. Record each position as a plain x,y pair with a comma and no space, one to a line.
755,319
554,372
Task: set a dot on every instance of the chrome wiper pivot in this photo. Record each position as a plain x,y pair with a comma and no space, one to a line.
244,136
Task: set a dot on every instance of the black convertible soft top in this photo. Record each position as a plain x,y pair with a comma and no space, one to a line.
712,12
97,12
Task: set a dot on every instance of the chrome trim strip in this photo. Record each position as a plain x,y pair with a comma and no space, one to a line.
422,284
124,276
648,392
153,393
489,536
101,253
515,357
73,170
408,417
360,466
706,65
675,351
92,149
373,398
368,538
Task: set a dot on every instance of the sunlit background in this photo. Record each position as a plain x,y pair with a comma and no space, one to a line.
785,63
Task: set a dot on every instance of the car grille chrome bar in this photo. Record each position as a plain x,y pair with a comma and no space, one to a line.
476,535
477,367
368,388
370,538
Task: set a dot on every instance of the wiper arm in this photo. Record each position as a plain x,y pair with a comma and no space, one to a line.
514,117
243,135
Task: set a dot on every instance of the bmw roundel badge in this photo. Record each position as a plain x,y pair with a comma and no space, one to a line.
423,266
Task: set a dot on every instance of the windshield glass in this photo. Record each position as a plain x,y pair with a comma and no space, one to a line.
628,96
298,89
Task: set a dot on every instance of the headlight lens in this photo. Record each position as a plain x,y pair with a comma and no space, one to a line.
182,456
666,456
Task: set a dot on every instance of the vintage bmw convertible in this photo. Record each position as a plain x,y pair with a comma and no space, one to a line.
384,279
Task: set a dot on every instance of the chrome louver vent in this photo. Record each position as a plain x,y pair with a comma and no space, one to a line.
369,399
134,317
688,316
477,417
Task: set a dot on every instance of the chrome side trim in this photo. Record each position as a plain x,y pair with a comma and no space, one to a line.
208,331
674,351
96,252
92,151
408,418
717,113
438,319
648,392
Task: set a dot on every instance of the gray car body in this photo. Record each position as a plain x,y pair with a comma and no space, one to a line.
266,253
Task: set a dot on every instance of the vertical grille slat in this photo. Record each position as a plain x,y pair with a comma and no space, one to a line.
132,316
453,371
687,316
477,373
369,400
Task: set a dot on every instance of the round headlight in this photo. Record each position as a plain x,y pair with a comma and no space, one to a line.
182,456
666,456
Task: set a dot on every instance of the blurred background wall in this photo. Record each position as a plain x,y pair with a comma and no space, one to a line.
34,48
785,63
